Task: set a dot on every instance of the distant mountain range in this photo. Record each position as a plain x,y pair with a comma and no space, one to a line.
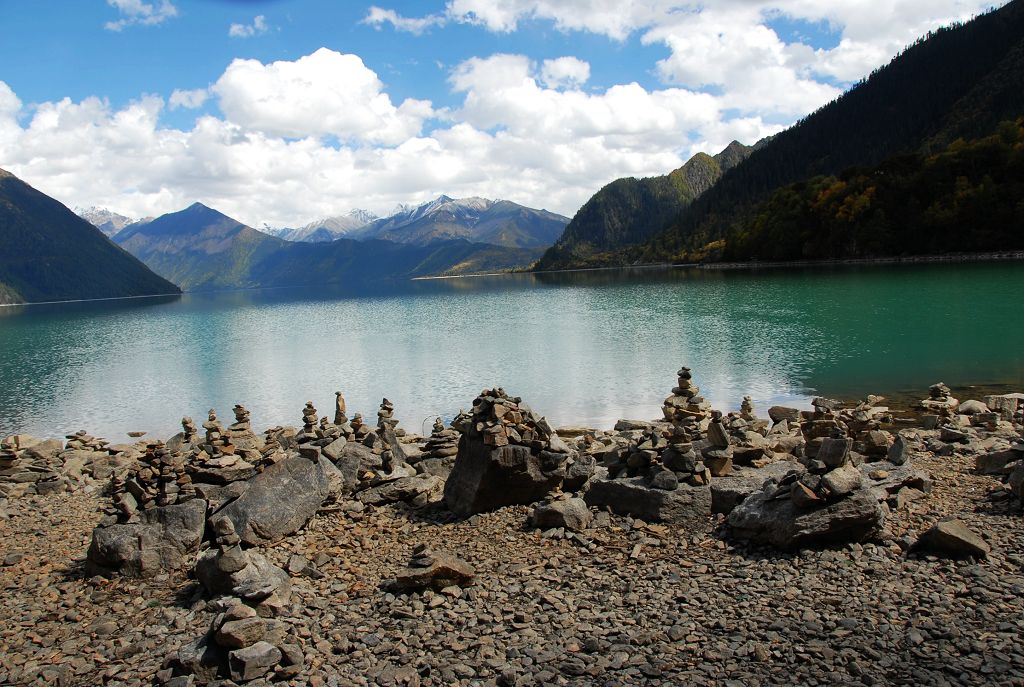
107,221
48,253
903,127
323,230
495,222
200,248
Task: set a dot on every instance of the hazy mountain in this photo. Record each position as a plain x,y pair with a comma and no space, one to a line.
630,211
203,249
107,221
322,230
958,82
48,253
496,222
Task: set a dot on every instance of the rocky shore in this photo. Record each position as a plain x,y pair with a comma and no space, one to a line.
850,544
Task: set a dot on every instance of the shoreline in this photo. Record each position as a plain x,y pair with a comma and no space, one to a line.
93,300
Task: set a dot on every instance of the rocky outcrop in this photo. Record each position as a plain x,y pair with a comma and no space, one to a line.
508,455
164,538
685,505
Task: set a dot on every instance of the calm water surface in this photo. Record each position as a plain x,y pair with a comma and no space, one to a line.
582,348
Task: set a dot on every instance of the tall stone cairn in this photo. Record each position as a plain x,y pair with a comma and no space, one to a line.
685,408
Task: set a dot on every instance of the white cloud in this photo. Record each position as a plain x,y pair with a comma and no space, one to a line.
189,100
565,72
258,27
518,133
326,93
377,17
142,13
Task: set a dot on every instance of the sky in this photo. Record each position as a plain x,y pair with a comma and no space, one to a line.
281,112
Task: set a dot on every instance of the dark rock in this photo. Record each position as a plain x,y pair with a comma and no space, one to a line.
253,661
834,452
632,496
245,574
899,452
780,413
164,539
279,501
571,514
419,490
954,539
201,658
995,463
579,471
485,478
238,634
436,571
779,523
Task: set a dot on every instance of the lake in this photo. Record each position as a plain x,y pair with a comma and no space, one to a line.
581,348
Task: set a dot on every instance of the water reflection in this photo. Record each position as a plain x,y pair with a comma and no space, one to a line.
581,347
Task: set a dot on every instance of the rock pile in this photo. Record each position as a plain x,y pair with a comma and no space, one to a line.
685,408
29,466
940,399
160,480
428,569
507,455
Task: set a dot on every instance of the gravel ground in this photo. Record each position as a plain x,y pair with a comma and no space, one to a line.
624,603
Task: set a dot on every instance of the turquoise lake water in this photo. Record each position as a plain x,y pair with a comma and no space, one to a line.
581,348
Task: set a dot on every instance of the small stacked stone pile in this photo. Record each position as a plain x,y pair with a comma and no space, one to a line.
747,409
81,440
685,408
309,421
502,420
245,642
386,418
822,423
161,480
940,400
443,442
29,466
189,432
218,462
241,436
360,430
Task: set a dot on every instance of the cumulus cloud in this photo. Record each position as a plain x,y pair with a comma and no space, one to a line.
523,131
258,27
142,13
378,17
190,100
565,72
326,93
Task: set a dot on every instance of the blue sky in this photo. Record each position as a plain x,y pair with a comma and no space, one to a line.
308,108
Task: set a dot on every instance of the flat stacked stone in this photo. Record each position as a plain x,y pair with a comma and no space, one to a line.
443,441
940,400
82,440
218,462
161,480
30,466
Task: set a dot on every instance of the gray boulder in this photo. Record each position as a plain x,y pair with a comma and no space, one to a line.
420,490
164,539
279,501
632,496
486,478
952,538
571,514
779,523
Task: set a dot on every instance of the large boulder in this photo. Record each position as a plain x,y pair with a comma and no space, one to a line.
779,522
633,496
485,478
279,501
164,539
568,513
419,490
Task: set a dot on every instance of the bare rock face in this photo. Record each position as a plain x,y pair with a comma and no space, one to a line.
508,455
164,539
279,501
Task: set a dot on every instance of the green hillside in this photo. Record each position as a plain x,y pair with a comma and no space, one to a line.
48,253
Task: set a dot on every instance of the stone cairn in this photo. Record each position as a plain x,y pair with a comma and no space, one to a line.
685,408
33,468
82,441
160,480
940,400
443,441
190,434
386,418
502,420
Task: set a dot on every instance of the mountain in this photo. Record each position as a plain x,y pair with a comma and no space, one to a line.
327,229
203,249
107,221
630,211
48,253
478,220
958,82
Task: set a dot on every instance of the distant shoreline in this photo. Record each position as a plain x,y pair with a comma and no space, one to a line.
90,300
